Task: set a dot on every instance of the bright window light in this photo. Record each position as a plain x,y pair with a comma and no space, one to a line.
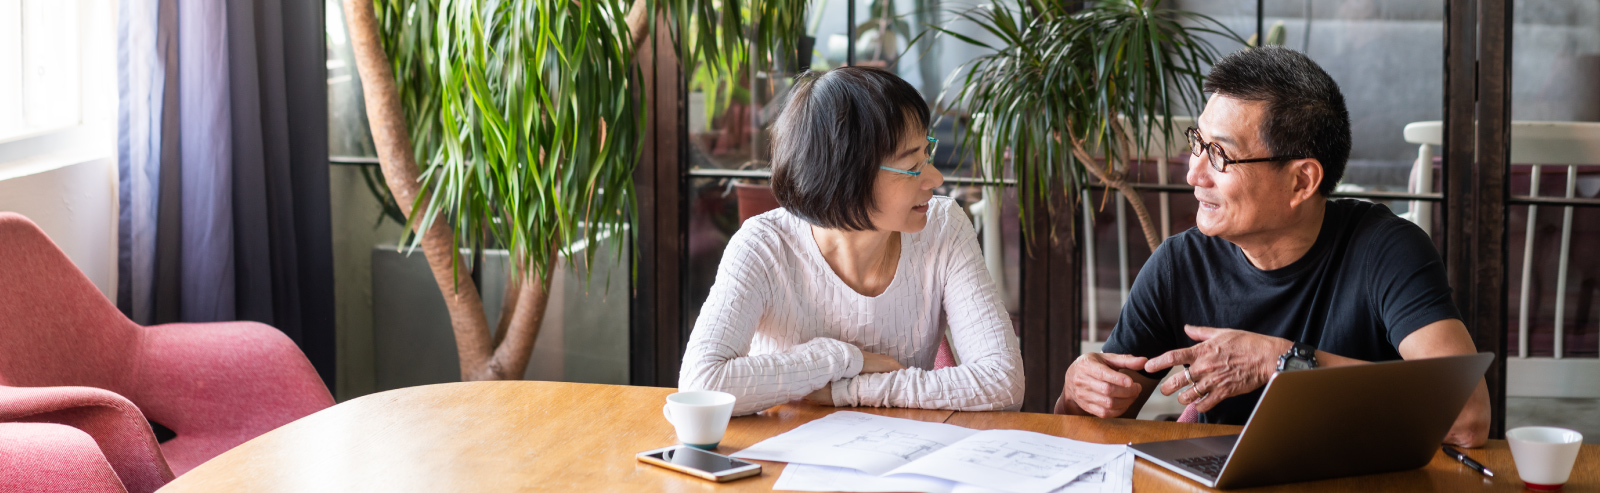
40,86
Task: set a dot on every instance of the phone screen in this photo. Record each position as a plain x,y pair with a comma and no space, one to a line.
699,459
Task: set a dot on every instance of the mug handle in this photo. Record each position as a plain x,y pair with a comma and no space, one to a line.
665,411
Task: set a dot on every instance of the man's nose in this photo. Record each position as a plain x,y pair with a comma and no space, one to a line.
1199,174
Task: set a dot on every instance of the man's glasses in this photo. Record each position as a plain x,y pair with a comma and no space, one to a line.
1218,157
933,145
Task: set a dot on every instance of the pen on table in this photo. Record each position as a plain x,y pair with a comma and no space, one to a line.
1457,455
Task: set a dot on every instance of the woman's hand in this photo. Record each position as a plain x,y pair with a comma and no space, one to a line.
822,396
878,363
870,363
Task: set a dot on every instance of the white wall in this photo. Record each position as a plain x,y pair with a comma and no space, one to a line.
76,206
65,178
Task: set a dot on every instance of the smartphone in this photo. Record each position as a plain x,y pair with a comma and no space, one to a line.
700,463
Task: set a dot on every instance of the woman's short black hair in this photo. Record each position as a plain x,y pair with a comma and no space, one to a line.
836,129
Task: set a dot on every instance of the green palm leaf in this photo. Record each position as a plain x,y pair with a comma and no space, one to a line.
526,115
1065,74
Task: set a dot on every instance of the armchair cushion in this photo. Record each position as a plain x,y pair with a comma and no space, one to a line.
114,424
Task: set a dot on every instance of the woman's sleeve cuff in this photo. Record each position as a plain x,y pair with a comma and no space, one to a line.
842,395
856,360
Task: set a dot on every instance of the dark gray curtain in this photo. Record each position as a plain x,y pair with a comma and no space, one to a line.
224,193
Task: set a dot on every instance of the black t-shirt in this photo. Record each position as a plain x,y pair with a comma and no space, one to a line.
1370,280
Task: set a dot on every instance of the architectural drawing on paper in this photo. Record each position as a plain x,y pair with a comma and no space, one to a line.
1096,475
848,418
905,445
1022,458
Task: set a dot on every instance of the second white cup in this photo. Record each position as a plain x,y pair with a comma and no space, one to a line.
1544,454
699,416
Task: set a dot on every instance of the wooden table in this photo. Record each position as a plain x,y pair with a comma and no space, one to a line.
518,436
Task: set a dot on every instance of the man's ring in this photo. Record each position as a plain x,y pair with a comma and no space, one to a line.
1197,395
1187,375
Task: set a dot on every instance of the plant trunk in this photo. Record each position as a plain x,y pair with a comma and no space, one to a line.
484,356
514,346
638,19
1114,179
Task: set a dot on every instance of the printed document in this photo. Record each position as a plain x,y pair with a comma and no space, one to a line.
1113,477
1006,460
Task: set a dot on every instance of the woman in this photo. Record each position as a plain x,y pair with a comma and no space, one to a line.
840,296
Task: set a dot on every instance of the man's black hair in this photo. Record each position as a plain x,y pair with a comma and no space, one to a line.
1305,116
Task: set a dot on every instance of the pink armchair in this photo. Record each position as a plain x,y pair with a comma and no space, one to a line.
49,458
68,356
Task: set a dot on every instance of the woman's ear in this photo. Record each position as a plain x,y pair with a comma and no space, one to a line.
1307,179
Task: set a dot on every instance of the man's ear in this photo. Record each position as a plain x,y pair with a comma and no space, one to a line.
1307,179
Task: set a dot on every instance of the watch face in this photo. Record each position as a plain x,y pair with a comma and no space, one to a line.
1292,361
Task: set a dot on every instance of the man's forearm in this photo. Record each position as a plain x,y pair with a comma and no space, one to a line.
1326,359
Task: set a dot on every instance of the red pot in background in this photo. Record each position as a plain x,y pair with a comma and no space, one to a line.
754,200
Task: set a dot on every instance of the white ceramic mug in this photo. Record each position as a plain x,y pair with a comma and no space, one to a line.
1544,454
700,416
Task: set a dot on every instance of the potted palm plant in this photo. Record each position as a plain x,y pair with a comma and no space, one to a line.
517,123
1073,90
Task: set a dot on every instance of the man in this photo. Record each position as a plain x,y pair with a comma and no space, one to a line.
1274,269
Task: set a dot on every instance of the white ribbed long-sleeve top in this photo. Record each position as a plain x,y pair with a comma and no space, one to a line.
780,324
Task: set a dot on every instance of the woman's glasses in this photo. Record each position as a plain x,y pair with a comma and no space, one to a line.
933,145
1218,157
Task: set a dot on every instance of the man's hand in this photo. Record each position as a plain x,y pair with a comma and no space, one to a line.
1226,363
878,363
1471,428
1096,386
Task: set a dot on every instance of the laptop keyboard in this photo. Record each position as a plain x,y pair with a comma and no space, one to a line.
1211,465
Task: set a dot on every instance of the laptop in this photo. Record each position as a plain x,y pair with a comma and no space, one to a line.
1333,422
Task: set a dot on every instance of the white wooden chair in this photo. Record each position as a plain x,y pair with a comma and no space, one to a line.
1570,144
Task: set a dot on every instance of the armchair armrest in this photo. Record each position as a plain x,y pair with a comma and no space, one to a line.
115,424
49,458
217,385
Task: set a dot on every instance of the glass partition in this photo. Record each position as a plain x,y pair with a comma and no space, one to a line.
729,149
1553,285
1386,58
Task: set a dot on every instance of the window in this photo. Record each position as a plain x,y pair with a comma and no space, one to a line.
39,67
729,149
58,83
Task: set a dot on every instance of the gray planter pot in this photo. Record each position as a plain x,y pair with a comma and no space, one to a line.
584,337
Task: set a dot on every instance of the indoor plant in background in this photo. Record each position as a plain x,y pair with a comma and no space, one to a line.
1073,90
517,123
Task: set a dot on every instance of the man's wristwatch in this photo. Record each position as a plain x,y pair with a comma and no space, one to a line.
1300,357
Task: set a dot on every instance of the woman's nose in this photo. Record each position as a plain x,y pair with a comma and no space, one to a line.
936,178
